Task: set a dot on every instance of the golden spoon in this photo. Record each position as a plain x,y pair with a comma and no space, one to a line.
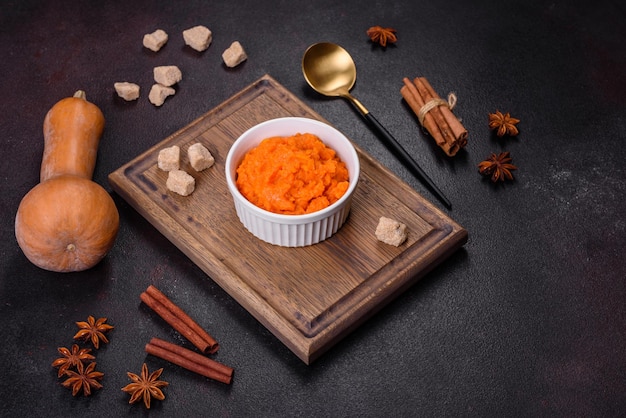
330,70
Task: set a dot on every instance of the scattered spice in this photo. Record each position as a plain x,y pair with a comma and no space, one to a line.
93,330
499,167
83,378
381,35
504,123
72,358
145,386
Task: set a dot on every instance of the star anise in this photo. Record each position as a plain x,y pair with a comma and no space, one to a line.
93,330
499,167
145,386
504,123
71,358
83,378
382,35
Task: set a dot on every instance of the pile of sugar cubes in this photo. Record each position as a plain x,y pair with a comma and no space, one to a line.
179,181
165,77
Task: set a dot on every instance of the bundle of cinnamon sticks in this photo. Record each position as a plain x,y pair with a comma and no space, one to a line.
435,114
190,329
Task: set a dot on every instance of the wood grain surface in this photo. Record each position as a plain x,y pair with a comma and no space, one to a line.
308,297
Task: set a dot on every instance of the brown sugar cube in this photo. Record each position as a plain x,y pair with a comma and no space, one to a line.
234,55
155,40
179,181
127,91
199,37
158,94
169,158
167,75
199,157
391,232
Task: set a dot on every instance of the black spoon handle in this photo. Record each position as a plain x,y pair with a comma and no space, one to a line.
408,161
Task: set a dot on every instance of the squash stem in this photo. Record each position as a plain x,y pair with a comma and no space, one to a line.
80,94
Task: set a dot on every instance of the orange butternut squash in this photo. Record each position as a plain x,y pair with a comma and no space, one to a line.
68,222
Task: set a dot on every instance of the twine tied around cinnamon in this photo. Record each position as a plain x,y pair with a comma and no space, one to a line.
435,114
450,103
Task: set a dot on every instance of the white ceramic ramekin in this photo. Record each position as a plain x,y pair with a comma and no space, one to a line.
292,230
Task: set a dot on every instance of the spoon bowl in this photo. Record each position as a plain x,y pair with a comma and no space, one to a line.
329,69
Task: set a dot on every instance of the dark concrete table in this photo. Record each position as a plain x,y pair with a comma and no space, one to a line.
528,319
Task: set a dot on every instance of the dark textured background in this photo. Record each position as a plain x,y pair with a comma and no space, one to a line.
528,319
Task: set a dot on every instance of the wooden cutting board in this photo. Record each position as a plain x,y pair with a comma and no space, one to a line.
308,297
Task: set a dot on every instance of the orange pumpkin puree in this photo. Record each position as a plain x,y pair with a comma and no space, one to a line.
292,175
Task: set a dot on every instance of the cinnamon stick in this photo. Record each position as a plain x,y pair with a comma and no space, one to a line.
434,114
193,356
416,103
184,362
415,100
435,111
458,130
179,320
158,295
